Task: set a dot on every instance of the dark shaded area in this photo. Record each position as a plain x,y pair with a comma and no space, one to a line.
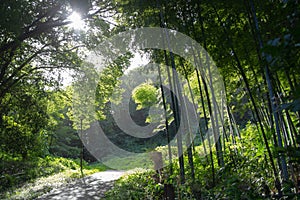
133,144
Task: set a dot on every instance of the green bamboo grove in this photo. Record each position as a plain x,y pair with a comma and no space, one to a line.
247,141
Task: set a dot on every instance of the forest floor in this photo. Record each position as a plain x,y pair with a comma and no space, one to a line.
89,187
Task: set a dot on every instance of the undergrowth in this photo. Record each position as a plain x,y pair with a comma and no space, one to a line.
246,175
31,178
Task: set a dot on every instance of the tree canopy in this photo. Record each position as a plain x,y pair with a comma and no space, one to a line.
246,143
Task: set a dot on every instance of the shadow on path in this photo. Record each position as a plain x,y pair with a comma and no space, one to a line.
90,187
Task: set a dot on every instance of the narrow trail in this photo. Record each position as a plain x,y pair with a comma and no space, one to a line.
90,187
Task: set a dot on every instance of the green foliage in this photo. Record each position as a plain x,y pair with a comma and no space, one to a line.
140,185
62,139
246,175
42,175
145,95
255,45
15,172
94,167
36,45
245,40
23,121
130,162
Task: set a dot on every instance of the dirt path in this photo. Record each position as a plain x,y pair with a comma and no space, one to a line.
90,187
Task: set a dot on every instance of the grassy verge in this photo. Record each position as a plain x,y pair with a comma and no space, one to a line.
30,179
129,162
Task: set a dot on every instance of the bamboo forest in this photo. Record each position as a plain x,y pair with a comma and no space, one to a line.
139,99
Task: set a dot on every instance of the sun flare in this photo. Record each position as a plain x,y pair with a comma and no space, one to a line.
76,21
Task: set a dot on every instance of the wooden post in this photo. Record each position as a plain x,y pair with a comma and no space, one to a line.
169,193
157,159
82,146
